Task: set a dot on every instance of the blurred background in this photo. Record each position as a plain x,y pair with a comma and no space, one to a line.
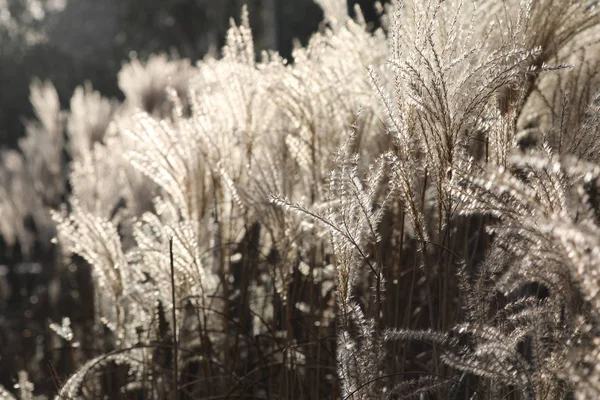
71,41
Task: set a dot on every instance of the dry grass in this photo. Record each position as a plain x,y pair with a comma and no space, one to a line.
406,213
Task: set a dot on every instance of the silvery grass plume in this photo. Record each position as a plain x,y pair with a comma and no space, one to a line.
36,174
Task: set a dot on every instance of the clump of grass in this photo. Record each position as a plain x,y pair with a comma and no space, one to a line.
405,213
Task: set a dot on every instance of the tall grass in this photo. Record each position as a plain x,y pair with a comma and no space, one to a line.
410,212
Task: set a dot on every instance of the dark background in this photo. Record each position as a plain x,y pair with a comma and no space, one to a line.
70,41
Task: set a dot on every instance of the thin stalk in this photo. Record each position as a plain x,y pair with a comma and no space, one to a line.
175,344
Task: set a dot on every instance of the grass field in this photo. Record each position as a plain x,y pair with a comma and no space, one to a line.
407,212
